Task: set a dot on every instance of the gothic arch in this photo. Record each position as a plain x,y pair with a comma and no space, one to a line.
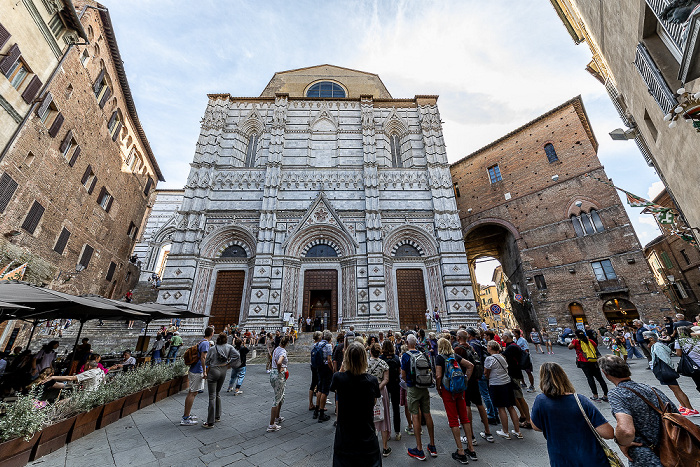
494,221
315,234
394,124
412,235
223,237
587,203
253,123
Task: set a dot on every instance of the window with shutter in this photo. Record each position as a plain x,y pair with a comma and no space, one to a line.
33,217
86,256
65,144
18,73
110,271
7,189
130,230
136,233
97,87
31,90
4,36
540,283
43,109
92,185
62,241
149,184
10,59
105,199
87,176
105,93
117,129
56,125
74,157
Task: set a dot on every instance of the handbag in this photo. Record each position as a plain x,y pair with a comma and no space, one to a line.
687,366
609,453
379,410
663,372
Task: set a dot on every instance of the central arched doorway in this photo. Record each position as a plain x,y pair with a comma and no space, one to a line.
619,310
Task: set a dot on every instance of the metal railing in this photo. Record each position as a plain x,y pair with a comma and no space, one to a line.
610,285
675,31
655,82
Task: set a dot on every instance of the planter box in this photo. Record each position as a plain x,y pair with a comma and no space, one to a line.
131,404
175,386
162,391
53,437
85,423
147,396
16,452
111,413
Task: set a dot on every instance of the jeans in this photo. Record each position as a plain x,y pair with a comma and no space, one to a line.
592,370
237,376
394,393
486,397
215,380
633,350
156,356
172,353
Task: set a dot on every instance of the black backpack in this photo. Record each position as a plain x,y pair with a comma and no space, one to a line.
473,357
317,359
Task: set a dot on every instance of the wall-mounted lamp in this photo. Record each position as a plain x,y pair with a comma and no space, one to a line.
555,177
622,135
469,210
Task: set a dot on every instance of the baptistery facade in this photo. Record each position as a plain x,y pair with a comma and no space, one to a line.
324,197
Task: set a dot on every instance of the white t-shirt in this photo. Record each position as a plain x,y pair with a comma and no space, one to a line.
499,370
691,347
91,379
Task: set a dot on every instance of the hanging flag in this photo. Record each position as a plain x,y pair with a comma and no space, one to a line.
637,201
16,274
664,217
2,271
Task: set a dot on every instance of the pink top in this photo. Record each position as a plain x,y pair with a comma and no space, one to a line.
99,365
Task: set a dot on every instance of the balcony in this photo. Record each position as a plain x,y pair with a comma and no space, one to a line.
685,37
655,82
610,286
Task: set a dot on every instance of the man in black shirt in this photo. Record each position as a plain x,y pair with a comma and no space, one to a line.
514,355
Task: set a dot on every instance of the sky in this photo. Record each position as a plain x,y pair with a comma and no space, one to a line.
496,65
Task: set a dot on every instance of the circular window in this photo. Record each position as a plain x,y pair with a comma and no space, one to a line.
325,89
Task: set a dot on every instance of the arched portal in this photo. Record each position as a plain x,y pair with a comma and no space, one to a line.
619,310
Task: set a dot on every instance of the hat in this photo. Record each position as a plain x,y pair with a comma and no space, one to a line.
176,333
453,333
472,332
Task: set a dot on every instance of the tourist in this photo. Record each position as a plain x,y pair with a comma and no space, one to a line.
175,344
547,340
238,374
418,401
325,374
501,389
45,357
157,349
196,375
617,345
514,355
91,379
338,352
270,347
638,425
314,378
587,361
536,338
82,352
380,370
308,324
631,343
392,387
478,346
128,362
639,338
355,437
691,346
96,357
278,380
473,394
454,402
526,362
220,357
663,370
562,421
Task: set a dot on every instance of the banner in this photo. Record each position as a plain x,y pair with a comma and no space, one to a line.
15,275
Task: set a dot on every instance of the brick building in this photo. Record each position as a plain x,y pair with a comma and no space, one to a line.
78,176
675,263
563,238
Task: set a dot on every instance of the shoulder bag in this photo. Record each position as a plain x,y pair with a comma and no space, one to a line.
379,410
687,367
663,372
609,453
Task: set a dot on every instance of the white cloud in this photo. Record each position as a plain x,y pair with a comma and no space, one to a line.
647,219
655,189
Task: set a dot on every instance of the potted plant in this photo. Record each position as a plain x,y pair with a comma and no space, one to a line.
20,429
53,437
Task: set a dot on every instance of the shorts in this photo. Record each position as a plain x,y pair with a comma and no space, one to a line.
278,381
517,392
324,379
456,408
196,381
472,395
418,399
314,379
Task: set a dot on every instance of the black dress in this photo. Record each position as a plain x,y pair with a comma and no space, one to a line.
355,438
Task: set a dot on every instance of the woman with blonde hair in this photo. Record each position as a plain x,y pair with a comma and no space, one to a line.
355,438
501,389
454,402
560,414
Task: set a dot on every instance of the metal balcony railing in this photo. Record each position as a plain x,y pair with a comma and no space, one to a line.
675,31
655,82
610,285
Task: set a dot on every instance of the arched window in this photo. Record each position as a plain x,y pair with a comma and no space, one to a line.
321,251
101,88
406,250
395,146
587,223
551,153
252,149
325,89
234,251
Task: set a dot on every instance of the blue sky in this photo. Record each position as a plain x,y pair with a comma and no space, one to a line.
495,65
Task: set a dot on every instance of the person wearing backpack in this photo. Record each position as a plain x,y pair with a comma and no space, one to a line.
451,373
587,360
321,359
639,428
416,371
196,375
472,393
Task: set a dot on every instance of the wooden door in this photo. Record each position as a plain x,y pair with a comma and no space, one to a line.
321,279
228,296
411,297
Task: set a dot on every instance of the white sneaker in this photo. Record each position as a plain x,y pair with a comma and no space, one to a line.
503,434
279,420
188,421
272,428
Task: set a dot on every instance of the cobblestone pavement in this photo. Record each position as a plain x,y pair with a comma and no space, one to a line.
153,436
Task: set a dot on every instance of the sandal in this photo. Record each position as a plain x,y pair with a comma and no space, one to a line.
526,425
517,434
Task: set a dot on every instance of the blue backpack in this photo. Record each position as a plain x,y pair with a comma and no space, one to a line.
317,359
453,380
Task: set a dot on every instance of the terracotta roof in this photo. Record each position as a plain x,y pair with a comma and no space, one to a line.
576,102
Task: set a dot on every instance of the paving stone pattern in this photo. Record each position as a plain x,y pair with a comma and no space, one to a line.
153,436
